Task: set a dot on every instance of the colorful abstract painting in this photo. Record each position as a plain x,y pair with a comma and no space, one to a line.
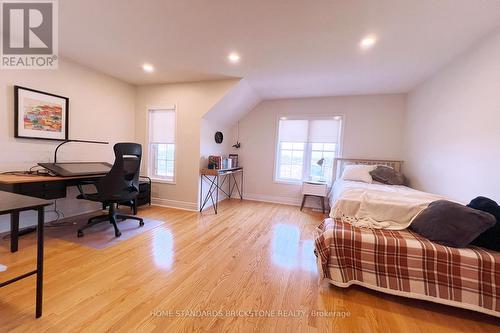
40,115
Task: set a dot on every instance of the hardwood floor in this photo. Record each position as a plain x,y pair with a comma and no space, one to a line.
251,256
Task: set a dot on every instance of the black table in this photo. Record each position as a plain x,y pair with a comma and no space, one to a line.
13,204
216,185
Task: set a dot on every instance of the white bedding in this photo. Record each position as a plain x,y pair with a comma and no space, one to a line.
377,205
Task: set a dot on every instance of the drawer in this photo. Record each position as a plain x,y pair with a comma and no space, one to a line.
37,190
142,201
40,187
48,195
144,190
315,189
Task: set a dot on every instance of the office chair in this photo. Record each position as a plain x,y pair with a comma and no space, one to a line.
121,184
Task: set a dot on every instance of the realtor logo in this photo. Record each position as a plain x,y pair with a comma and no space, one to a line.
29,34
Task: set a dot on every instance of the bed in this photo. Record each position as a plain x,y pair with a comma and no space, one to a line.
375,205
401,262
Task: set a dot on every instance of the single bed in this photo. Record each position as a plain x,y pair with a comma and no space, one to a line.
339,185
375,205
401,262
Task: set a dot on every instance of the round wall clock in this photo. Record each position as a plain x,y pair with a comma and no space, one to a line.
219,137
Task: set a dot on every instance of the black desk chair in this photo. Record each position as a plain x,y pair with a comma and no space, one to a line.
121,184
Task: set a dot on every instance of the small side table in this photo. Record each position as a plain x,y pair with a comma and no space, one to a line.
314,189
216,185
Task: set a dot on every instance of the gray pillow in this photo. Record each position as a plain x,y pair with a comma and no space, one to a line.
451,224
387,175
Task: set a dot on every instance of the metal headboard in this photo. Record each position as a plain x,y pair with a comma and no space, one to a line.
340,162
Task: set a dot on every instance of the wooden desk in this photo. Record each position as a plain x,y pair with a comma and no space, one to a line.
14,204
55,187
216,185
43,187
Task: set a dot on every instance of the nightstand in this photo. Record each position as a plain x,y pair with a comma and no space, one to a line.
314,189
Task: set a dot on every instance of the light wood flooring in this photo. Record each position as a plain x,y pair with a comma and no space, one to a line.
251,256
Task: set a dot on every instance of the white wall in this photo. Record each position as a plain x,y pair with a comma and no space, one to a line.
372,129
193,100
208,147
223,116
453,136
101,108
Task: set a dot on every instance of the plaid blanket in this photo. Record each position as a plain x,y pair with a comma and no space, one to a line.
403,263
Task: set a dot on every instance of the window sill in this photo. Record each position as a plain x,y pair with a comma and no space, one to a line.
288,182
298,182
162,181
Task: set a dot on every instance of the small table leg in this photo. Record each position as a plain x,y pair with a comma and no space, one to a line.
303,201
216,205
241,190
39,264
14,231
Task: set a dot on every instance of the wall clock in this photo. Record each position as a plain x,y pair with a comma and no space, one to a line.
219,137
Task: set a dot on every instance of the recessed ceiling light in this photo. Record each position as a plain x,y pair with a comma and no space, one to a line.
234,57
148,68
368,42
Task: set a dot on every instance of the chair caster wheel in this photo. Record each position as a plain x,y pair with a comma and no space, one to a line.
79,234
118,234
141,223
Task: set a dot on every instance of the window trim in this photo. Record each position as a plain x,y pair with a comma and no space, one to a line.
307,151
149,166
277,164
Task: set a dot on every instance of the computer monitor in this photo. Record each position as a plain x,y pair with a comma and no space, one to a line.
72,169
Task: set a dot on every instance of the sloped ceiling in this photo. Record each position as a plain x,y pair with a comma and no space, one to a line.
289,48
239,100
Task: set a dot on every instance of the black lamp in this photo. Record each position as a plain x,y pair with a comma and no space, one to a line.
84,141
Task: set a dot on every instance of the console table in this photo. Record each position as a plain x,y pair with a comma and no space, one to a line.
13,204
212,176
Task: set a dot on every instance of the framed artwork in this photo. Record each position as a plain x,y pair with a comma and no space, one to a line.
40,115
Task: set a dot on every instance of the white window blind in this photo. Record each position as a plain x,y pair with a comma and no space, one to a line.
161,145
324,131
162,126
293,130
312,130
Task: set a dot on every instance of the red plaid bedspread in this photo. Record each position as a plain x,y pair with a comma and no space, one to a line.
403,263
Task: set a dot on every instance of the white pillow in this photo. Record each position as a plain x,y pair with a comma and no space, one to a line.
358,173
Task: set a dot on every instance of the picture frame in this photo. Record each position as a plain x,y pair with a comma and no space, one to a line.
40,115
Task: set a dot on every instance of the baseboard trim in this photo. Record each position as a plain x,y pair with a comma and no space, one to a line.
273,199
284,200
193,206
183,205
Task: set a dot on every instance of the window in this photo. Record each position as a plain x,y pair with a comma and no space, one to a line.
306,148
161,145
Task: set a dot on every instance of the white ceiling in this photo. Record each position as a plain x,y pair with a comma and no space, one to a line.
289,48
